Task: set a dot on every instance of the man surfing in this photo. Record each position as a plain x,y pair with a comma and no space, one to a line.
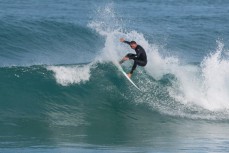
139,58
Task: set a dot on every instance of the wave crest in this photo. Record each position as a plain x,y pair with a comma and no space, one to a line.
70,74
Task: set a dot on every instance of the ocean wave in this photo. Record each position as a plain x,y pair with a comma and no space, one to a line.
43,41
83,83
170,87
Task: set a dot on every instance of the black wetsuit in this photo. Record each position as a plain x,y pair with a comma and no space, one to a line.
139,58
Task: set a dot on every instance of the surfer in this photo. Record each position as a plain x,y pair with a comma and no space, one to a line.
139,58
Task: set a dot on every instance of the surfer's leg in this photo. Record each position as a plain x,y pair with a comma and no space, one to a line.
137,62
134,67
141,63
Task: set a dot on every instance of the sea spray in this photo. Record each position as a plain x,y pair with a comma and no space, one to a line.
205,85
66,75
187,88
216,85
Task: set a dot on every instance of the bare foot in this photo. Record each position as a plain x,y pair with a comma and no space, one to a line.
129,75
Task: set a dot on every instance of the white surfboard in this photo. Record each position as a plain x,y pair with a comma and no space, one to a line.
121,69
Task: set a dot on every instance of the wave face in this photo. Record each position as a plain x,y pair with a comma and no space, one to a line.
60,78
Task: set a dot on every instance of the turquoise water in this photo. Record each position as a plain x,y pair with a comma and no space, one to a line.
61,90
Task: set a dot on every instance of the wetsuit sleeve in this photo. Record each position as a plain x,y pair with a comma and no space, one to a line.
127,42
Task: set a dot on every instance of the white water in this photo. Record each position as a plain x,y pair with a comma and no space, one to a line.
66,75
197,87
204,85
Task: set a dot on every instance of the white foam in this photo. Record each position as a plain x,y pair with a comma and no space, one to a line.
215,71
207,85
204,86
108,25
66,75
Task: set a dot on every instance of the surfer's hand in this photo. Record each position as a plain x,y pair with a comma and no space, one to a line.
125,58
122,39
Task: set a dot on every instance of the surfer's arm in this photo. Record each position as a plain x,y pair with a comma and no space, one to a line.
127,42
124,41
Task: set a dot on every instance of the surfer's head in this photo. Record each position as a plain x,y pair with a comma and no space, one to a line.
133,44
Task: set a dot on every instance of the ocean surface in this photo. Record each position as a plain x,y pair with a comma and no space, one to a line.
61,90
